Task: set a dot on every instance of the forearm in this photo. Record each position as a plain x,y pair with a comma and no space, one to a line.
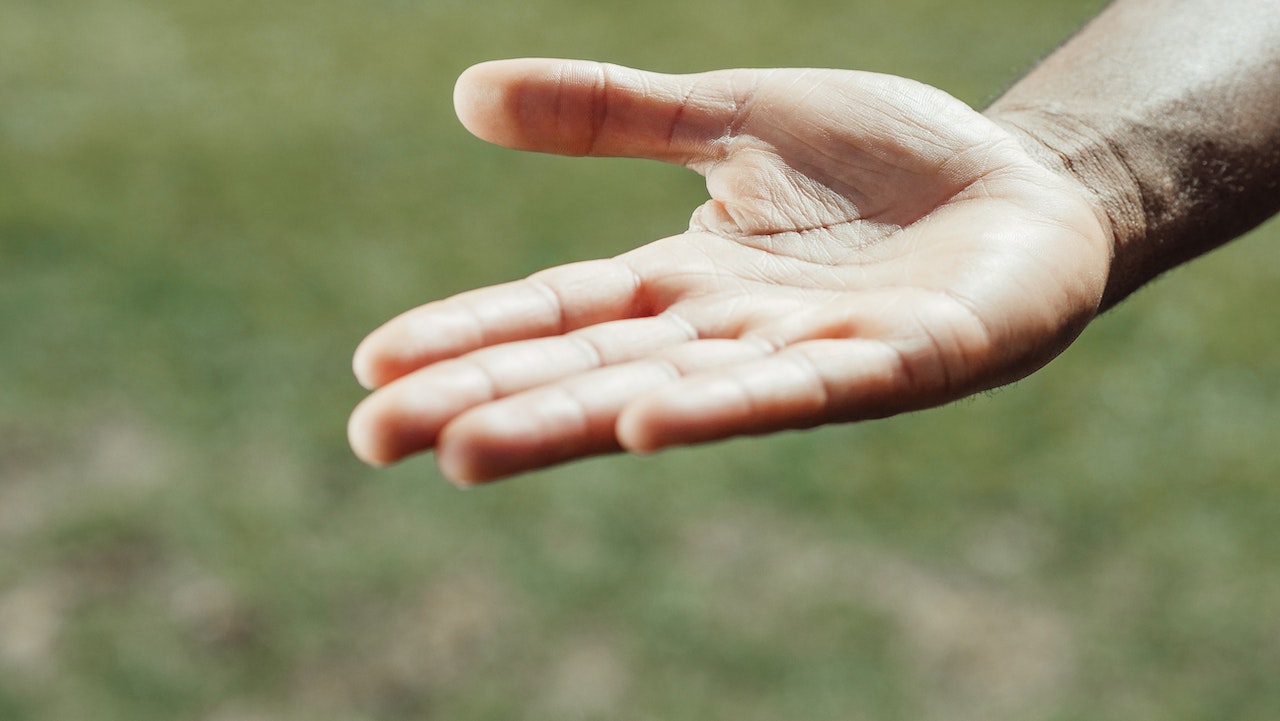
1168,111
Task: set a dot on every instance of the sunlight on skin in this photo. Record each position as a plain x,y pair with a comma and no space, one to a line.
871,246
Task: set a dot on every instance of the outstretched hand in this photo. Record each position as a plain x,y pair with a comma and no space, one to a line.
871,246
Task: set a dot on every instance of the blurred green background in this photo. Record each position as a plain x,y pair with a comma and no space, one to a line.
203,208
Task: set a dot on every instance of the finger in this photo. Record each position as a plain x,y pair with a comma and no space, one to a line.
570,419
406,416
550,302
585,108
802,386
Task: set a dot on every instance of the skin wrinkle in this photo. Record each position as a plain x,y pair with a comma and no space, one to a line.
903,112
719,308
809,265
744,105
906,369
820,175
809,171
492,390
473,315
739,307
554,302
764,343
849,192
1122,206
883,231
641,304
943,151
600,106
768,270
980,167
596,356
739,217
691,331
821,383
488,368
580,413
746,399
940,365
987,333
668,366
832,204
560,113
815,86
680,109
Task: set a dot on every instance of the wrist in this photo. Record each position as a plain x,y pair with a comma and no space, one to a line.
1085,155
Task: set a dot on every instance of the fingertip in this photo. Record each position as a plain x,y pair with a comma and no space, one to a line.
457,470
390,352
478,98
370,443
388,427
366,439
690,412
497,99
363,366
468,454
517,435
384,355
635,431
660,421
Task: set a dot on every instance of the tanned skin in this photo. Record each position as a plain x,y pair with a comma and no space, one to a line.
871,245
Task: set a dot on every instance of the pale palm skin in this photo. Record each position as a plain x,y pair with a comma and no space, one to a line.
871,246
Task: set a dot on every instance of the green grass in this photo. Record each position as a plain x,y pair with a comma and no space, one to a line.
204,206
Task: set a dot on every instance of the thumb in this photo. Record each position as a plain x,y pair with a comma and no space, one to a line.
574,107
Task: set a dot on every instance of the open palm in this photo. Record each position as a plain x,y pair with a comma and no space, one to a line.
871,246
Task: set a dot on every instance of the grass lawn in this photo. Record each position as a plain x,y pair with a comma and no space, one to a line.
203,208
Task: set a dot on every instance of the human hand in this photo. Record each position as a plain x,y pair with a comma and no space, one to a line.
871,246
